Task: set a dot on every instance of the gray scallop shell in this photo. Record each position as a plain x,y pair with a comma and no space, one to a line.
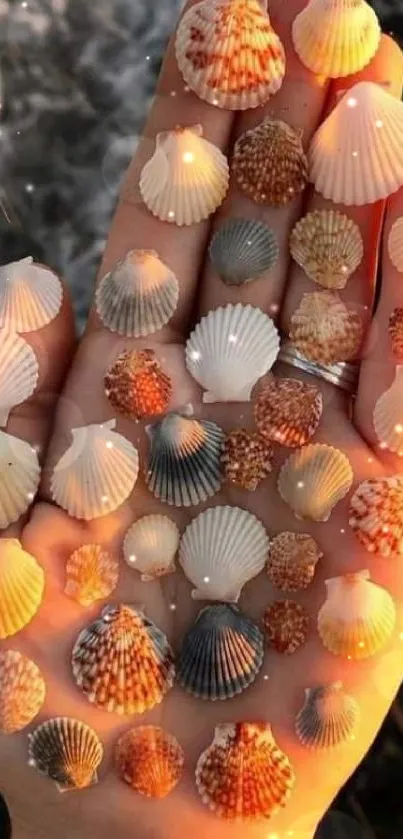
328,717
242,250
221,654
66,750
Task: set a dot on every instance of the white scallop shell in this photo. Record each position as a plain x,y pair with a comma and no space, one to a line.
229,350
314,479
187,177
20,473
355,155
150,546
221,550
18,372
97,472
30,296
388,415
395,244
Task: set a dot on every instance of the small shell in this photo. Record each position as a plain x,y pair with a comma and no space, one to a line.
357,618
122,662
91,575
247,459
186,179
243,250
269,163
288,411
20,472
97,472
292,560
388,415
243,775
314,479
139,296
395,244
323,329
396,332
328,718
150,760
30,296
229,350
136,385
150,546
286,626
18,372
22,691
67,751
22,583
376,515
184,462
221,550
328,246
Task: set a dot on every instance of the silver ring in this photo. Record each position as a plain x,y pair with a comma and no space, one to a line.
343,374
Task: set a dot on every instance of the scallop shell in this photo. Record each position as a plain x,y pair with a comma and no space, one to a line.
91,574
20,472
328,718
136,385
186,179
288,411
97,472
396,331
229,54
22,691
357,618
122,662
269,163
150,760
314,479
22,583
150,546
139,296
388,415
395,244
247,459
221,654
243,775
18,372
30,296
243,250
355,155
328,246
184,461
292,560
286,626
230,349
323,329
376,515
66,750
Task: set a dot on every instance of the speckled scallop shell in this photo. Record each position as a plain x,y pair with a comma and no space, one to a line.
139,296
292,560
22,583
376,515
122,662
97,473
243,250
150,546
229,350
288,411
247,459
388,415
18,372
269,163
358,617
314,479
323,329
67,751
286,625
20,473
395,328
186,179
395,244
328,246
137,386
184,463
243,775
22,691
30,296
91,574
150,760
328,717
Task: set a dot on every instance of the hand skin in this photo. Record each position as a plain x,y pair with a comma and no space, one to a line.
111,809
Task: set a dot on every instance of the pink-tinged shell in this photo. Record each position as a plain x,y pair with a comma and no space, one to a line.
323,329
388,415
286,625
376,515
22,691
136,385
292,560
91,574
395,244
67,751
396,331
150,760
288,411
247,459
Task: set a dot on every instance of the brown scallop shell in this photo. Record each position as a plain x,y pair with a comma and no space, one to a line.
396,331
323,329
22,691
286,626
376,515
328,246
288,411
150,760
292,560
136,385
247,459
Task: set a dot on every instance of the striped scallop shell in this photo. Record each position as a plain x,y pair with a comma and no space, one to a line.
22,691
395,244
314,479
388,415
292,560
243,250
376,515
22,583
137,386
18,372
288,411
150,546
91,574
328,718
323,329
328,246
150,760
30,296
67,751
20,471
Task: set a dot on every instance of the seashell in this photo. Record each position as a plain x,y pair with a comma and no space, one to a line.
18,372
357,618
292,560
122,662
388,415
221,550
324,330
20,472
150,760
66,750
30,296
247,459
314,479
97,472
139,296
355,155
243,250
22,583
150,546
22,691
229,54
328,718
243,775
288,411
186,179
376,515
269,163
230,349
328,246
395,244
136,385
396,331
184,461
286,626
335,38
91,574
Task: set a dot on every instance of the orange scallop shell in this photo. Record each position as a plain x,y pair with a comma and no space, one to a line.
136,385
22,691
150,760
288,411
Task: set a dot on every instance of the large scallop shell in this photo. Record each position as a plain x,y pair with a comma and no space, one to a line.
187,177
91,574
288,411
136,385
328,718
323,329
150,546
355,155
388,415
150,760
230,349
30,296
328,246
221,550
395,329
20,473
139,296
314,479
357,618
243,775
22,583
97,472
292,560
376,515
22,691
66,750
18,372
247,458
395,244
243,250
184,464
122,662
286,626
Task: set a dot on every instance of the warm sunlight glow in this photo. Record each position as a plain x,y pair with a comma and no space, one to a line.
352,102
188,157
